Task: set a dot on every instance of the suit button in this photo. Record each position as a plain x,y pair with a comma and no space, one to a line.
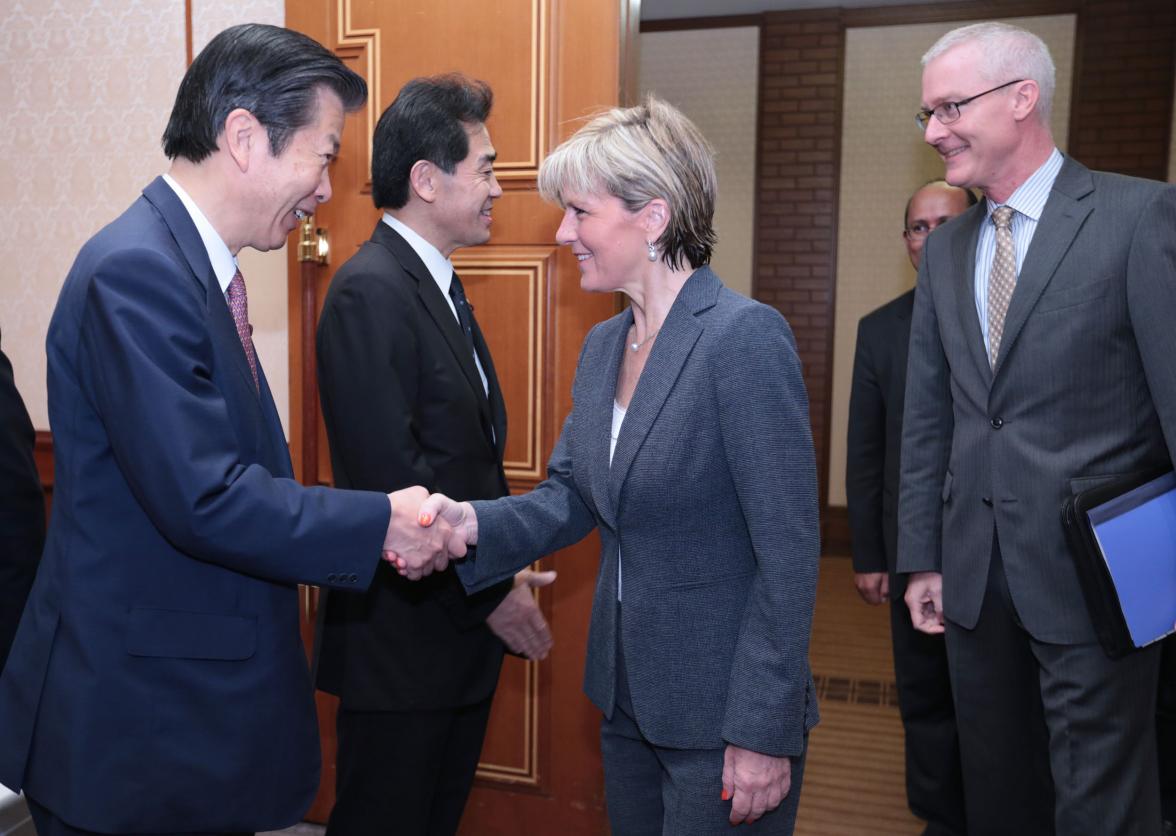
997,422
987,500
332,577
352,578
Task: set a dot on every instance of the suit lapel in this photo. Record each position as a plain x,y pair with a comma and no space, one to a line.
437,307
598,411
1062,218
674,343
221,328
280,464
224,331
966,236
495,414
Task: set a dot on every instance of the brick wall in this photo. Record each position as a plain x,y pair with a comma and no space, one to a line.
1120,121
796,204
1125,62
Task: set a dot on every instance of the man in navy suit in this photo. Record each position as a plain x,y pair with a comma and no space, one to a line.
157,682
935,790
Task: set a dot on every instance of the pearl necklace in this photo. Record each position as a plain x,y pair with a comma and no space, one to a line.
635,347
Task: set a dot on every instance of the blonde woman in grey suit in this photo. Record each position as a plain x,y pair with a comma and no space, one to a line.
689,449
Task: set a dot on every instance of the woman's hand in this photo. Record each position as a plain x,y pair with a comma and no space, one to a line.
459,515
755,783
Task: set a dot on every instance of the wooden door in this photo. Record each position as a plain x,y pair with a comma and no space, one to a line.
550,63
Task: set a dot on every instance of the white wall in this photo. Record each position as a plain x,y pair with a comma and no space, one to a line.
711,75
86,87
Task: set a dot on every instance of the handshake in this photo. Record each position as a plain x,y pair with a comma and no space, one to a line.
426,531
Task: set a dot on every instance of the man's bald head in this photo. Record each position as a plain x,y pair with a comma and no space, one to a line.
932,204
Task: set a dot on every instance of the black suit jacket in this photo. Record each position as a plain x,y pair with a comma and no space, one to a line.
875,433
22,508
404,405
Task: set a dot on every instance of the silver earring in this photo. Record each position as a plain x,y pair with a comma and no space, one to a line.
652,250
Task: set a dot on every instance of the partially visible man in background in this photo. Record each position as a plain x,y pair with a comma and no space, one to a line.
934,782
22,508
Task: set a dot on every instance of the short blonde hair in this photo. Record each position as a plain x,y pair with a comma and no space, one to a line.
638,154
1009,52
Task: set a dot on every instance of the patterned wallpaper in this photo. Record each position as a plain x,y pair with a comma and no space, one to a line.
883,159
86,87
711,75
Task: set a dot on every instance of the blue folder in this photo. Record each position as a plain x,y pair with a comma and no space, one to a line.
1136,535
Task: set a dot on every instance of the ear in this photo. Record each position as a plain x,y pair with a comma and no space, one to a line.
654,218
1025,96
422,178
242,137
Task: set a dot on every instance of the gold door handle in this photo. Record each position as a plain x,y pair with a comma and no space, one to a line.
312,242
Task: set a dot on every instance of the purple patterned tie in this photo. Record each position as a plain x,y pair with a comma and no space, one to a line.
239,305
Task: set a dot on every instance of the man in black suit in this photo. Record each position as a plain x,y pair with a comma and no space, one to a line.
934,782
22,508
410,397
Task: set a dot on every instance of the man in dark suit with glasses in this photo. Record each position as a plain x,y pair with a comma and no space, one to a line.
935,790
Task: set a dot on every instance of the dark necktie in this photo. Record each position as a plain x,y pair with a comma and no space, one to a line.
465,314
239,306
465,318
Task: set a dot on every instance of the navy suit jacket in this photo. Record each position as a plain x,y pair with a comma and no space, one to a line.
157,681
710,502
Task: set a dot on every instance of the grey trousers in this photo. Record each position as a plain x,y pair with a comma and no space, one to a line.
655,791
1054,738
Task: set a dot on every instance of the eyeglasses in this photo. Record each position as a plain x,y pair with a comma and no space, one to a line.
949,112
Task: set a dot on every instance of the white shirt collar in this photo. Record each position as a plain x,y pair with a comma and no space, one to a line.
223,262
1030,197
439,267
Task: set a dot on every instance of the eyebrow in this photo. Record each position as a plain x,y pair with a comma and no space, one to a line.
488,158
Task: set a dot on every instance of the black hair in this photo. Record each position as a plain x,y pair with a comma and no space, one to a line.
273,73
906,213
427,121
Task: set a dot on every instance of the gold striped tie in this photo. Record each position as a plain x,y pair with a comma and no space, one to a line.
1001,280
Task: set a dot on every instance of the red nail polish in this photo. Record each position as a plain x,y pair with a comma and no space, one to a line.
726,796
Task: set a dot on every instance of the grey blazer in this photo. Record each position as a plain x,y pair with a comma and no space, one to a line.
1084,390
711,498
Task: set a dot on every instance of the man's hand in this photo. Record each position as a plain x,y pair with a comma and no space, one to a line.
755,783
874,587
416,550
924,598
519,622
